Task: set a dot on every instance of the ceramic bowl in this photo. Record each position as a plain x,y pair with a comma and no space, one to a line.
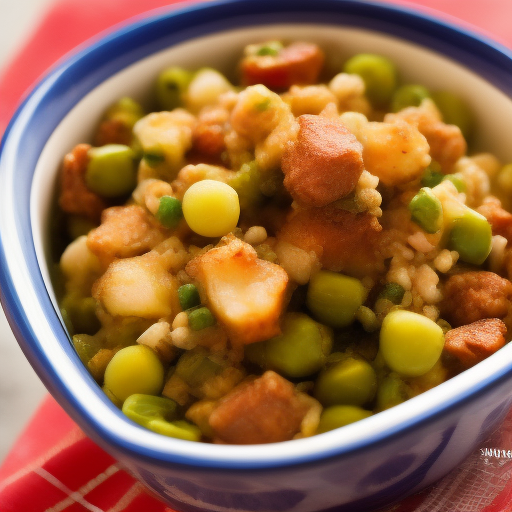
359,467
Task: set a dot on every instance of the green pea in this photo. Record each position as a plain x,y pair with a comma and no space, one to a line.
111,170
338,416
471,237
454,111
379,75
391,391
188,295
432,176
158,414
126,110
334,298
350,381
271,48
393,292
169,212
410,95
457,180
134,369
171,85
426,210
299,351
200,318
410,343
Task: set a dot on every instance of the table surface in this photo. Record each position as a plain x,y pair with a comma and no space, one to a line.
20,389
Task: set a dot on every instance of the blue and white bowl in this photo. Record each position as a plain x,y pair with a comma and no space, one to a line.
360,467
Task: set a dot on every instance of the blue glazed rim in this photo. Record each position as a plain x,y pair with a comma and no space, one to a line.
60,91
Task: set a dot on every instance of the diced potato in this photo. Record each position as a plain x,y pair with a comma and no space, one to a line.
137,286
266,122
394,152
205,89
80,266
446,141
191,174
245,294
168,134
125,231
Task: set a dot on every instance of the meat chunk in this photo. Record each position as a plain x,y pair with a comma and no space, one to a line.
499,219
324,163
266,410
299,63
125,231
245,293
473,296
113,131
343,241
447,144
470,344
75,197
208,133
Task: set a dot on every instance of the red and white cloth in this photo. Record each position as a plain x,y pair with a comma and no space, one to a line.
53,466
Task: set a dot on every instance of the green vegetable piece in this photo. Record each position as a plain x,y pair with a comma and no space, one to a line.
86,347
471,237
393,292
334,298
410,95
410,343
200,318
457,180
171,85
454,111
350,381
111,170
432,176
195,367
81,313
126,111
169,212
378,73
299,351
188,295
134,369
271,48
153,157
426,210
338,416
157,414
247,182
391,391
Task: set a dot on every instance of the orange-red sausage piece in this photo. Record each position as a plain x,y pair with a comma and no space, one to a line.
266,410
297,64
324,163
472,343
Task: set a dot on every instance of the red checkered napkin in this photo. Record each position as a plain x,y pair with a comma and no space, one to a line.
54,467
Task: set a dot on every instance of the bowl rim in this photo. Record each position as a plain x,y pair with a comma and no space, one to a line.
54,97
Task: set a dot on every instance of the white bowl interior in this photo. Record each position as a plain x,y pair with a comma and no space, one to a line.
221,51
